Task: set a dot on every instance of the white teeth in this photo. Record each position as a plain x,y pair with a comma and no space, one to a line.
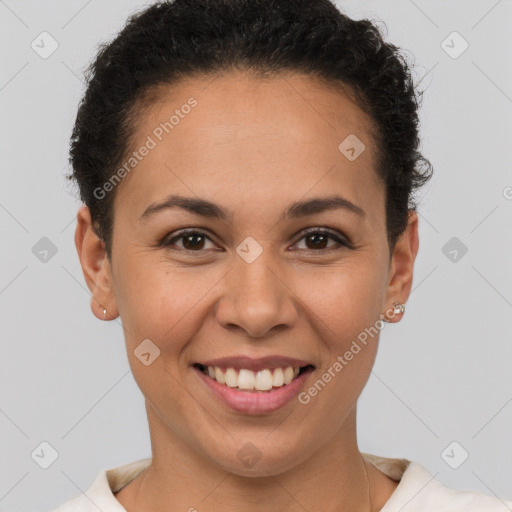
263,380
247,380
219,376
288,375
231,378
278,377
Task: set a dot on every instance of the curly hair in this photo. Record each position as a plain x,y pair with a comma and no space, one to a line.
173,40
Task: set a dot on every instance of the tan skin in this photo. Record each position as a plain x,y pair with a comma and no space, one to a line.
254,147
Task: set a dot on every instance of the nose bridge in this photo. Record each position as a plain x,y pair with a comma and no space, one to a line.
257,297
258,280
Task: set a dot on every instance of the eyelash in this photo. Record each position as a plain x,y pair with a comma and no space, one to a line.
166,242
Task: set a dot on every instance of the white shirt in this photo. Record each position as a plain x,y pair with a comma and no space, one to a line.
417,491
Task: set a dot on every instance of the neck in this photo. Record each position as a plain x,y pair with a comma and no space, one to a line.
332,478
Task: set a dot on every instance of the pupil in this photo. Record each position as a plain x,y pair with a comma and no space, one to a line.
317,236
188,241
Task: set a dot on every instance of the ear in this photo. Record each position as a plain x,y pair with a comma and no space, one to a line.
95,266
402,265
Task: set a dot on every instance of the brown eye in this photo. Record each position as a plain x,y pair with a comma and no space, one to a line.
191,240
318,239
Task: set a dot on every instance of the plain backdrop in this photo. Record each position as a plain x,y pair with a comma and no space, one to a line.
442,381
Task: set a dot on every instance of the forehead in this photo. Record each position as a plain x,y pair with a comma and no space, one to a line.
272,135
240,105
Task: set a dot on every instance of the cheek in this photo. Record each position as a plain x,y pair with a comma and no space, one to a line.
344,308
345,321
344,300
164,304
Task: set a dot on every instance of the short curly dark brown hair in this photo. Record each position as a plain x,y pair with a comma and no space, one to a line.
172,40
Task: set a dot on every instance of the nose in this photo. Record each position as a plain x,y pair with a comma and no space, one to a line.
257,299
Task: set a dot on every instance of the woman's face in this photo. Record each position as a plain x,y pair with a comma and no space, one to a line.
252,284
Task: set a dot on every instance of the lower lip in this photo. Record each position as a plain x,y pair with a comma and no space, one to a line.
256,402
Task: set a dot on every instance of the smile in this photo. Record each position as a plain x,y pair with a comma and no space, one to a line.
254,391
244,379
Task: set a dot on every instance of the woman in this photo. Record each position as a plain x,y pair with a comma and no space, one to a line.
248,171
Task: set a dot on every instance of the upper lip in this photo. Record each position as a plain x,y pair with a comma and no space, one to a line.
255,364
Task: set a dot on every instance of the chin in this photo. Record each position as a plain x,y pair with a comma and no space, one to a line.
253,461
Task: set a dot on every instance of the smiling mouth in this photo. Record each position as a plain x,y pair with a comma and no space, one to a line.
243,379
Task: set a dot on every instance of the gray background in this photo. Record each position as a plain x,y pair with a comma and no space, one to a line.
442,374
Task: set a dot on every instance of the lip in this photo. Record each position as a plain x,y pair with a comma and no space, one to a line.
255,364
256,402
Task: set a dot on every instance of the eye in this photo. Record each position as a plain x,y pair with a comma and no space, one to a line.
194,241
319,237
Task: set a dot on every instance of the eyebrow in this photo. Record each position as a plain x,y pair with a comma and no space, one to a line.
206,208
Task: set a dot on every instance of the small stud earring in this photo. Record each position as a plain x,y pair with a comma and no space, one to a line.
104,313
398,308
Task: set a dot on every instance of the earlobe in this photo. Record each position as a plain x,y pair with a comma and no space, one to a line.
95,266
402,267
